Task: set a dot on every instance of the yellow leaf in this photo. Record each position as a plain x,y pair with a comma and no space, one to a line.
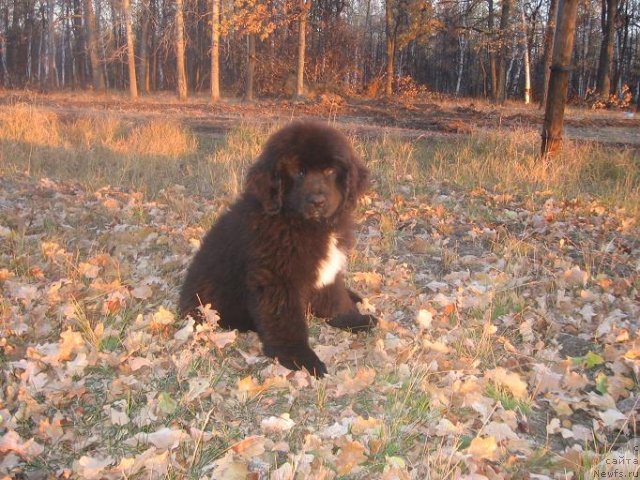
370,426
250,447
71,342
483,448
508,380
163,316
351,455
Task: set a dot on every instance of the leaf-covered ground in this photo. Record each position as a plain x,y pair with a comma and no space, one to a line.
508,345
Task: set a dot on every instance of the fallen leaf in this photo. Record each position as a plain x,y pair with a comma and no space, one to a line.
508,380
349,385
483,448
277,424
91,467
350,456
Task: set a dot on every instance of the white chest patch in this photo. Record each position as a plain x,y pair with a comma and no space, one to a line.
334,263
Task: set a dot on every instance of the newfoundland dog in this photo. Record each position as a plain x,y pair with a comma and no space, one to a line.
281,249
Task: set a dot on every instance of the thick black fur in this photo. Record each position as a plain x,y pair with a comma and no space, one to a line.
257,266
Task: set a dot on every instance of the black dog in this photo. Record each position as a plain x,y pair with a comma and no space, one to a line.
282,246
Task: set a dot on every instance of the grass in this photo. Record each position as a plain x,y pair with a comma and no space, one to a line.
148,157
167,161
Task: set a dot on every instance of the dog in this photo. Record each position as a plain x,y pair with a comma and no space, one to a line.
281,248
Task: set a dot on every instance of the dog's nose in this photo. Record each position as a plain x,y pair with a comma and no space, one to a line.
318,200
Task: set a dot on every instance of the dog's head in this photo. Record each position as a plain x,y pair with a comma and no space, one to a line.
307,169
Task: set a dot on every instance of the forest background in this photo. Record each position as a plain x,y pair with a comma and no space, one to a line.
358,47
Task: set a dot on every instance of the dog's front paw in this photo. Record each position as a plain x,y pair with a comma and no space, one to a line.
354,322
299,358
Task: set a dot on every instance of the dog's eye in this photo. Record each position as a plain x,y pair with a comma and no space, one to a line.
329,171
302,172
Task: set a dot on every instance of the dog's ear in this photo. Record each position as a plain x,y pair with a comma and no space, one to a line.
357,181
265,183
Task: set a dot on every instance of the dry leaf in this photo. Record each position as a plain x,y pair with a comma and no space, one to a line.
351,455
277,424
349,385
249,447
509,380
91,467
483,448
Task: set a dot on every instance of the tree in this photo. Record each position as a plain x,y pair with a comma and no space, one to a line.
92,45
501,87
390,35
608,18
559,78
302,28
252,18
548,50
215,50
144,47
251,67
405,22
179,42
131,57
493,69
527,68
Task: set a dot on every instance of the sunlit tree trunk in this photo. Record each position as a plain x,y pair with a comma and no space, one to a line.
92,45
559,79
215,50
251,67
179,39
131,56
302,28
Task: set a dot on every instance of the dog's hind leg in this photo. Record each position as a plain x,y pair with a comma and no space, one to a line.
338,304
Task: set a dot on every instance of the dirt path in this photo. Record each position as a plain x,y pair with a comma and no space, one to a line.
368,117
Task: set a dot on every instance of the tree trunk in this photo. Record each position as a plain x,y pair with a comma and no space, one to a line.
527,69
493,70
461,46
180,67
131,56
622,46
78,46
548,50
3,60
251,66
51,74
144,47
367,46
501,91
391,47
215,50
92,45
606,49
302,28
559,79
